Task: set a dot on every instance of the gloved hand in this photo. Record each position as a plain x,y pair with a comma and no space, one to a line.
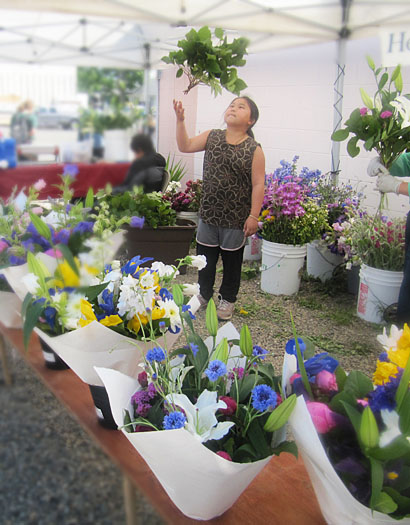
386,183
375,168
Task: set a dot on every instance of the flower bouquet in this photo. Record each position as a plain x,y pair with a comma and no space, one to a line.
289,219
88,315
187,200
353,433
206,416
383,124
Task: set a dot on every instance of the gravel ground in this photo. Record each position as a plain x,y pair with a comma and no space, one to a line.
51,472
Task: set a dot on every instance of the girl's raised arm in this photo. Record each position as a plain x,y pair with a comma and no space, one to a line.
186,144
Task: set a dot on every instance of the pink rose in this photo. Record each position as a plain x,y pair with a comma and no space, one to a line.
386,114
3,246
39,185
326,381
224,455
230,405
363,111
52,252
323,418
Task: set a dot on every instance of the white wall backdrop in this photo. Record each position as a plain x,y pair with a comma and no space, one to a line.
294,92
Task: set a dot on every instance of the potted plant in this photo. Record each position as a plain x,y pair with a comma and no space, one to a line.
185,202
206,417
353,432
152,228
289,219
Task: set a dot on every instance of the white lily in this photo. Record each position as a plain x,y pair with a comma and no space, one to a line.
201,419
390,341
191,289
30,281
402,106
197,261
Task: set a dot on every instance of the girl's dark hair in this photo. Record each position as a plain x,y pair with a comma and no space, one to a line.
254,114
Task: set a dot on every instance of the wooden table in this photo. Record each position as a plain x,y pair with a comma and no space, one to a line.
280,495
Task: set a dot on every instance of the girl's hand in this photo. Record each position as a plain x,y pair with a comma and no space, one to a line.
179,110
250,227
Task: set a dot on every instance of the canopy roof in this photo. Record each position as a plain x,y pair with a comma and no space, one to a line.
112,33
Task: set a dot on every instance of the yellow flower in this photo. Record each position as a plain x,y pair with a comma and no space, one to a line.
265,212
392,475
158,313
384,370
399,357
404,342
111,320
66,276
134,324
243,312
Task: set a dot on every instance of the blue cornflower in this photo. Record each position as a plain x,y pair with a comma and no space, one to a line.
291,346
137,222
215,369
83,227
320,362
174,420
71,170
14,260
260,352
194,348
384,396
384,357
263,398
156,354
187,308
28,245
63,236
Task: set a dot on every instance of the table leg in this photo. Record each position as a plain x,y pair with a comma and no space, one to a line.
130,501
3,356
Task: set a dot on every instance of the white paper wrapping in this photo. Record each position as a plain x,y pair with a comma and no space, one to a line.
10,308
200,483
97,345
338,506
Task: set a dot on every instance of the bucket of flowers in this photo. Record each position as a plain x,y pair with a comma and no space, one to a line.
289,220
185,202
206,416
353,432
89,313
377,243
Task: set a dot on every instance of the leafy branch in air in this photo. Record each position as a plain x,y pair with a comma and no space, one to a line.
208,64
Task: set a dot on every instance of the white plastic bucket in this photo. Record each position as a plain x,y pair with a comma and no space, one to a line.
189,215
281,266
378,289
253,247
321,262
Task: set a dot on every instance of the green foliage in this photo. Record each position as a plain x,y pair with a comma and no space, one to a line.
176,170
212,65
114,210
383,124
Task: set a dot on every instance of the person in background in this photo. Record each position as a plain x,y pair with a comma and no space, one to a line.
388,182
148,168
22,123
232,194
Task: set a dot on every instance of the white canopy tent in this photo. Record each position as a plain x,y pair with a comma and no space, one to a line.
137,33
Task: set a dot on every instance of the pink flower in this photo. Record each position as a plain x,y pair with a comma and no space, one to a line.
224,455
230,405
363,111
292,378
39,185
326,381
362,402
54,253
37,210
323,418
143,379
386,114
3,246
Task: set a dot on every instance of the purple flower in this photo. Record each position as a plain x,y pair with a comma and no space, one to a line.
71,170
320,362
215,370
386,114
363,111
259,352
83,227
291,346
137,222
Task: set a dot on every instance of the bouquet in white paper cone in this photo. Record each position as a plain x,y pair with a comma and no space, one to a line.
354,434
206,416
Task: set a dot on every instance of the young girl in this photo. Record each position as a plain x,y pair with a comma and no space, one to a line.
232,195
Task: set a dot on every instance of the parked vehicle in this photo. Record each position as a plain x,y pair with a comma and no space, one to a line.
51,118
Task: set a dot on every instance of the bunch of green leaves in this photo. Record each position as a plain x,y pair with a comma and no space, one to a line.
118,209
380,125
253,435
176,170
212,65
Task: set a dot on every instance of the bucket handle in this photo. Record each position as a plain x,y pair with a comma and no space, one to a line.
382,307
272,265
